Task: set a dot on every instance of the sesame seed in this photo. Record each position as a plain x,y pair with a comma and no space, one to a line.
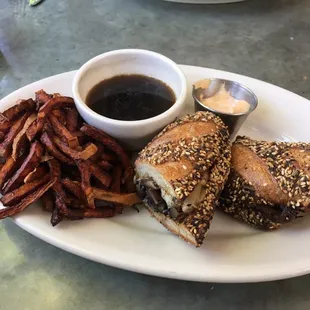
205,153
241,200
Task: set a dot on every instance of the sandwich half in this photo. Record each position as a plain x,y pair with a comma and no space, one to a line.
181,173
269,183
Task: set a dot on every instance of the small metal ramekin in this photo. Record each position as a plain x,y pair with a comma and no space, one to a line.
237,91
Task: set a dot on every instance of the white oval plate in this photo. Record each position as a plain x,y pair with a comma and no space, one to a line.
232,252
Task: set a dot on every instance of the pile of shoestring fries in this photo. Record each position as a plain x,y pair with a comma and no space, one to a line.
48,152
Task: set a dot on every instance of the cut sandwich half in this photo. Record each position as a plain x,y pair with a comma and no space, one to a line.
269,183
182,171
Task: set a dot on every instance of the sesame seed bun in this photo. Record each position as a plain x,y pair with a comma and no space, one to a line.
189,161
269,182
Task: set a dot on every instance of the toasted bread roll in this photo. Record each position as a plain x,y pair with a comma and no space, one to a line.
269,182
181,172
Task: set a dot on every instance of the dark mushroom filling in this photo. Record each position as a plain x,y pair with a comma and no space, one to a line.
150,193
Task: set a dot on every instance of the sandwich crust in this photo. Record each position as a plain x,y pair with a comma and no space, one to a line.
269,182
190,152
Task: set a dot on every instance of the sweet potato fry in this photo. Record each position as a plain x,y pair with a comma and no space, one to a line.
104,212
53,103
60,115
42,97
71,172
124,199
85,184
27,201
55,170
99,152
5,126
118,208
34,129
2,136
111,144
3,118
89,151
74,187
105,165
14,112
46,158
24,190
52,149
61,205
35,174
109,157
8,169
21,140
96,183
75,203
62,132
99,174
72,120
81,137
47,202
5,146
31,162
57,217
108,142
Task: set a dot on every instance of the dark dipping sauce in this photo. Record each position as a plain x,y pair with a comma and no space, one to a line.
130,97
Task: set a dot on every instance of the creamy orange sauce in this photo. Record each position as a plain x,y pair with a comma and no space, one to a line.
223,102
202,84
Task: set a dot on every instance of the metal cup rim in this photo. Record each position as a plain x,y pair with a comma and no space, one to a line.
252,108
